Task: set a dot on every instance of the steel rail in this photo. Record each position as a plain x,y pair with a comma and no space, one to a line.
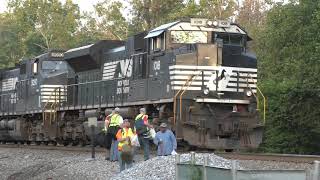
296,158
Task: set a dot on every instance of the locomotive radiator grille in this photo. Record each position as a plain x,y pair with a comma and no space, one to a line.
230,79
8,84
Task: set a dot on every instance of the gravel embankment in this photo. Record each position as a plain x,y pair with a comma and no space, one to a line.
163,168
17,163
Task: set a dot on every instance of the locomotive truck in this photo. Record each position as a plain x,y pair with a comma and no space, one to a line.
197,75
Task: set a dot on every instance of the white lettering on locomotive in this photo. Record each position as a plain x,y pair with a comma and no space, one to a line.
123,84
156,65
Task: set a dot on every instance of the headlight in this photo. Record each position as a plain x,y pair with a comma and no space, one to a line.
206,91
215,23
209,23
249,93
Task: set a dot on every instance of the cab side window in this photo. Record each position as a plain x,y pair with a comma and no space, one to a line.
35,67
157,43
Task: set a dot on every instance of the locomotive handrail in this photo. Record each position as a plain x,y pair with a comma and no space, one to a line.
180,112
104,80
175,99
248,85
264,99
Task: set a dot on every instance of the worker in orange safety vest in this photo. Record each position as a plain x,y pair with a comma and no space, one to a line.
125,153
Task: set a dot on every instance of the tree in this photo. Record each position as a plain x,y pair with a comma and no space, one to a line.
88,30
251,16
289,54
31,27
112,22
218,9
148,14
11,50
47,24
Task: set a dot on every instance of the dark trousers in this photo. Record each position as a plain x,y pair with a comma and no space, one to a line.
144,142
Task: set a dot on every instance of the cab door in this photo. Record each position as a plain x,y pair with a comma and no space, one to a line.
138,85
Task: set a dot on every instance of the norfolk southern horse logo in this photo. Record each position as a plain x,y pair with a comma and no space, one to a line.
221,80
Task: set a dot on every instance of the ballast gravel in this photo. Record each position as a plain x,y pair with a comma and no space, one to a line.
23,163
163,168
19,163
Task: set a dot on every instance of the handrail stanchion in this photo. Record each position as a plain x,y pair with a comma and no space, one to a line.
180,113
264,99
175,99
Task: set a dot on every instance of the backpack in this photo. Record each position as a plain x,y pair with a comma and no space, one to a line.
127,151
141,128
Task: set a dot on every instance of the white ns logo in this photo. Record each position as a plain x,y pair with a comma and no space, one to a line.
126,68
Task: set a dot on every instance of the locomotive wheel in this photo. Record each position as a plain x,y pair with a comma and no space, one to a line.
65,143
75,143
83,143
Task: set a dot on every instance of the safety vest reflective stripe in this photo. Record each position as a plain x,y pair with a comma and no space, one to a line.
124,133
140,117
115,120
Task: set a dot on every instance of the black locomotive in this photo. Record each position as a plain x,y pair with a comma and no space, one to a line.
196,75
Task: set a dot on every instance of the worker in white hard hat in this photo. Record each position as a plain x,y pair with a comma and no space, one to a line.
113,126
142,128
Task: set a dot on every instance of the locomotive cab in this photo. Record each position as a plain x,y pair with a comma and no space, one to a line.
39,78
212,79
51,72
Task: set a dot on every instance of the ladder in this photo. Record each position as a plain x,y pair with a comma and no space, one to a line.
49,111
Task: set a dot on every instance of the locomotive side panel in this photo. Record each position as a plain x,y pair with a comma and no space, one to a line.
9,78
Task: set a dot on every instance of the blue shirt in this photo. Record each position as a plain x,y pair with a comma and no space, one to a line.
166,142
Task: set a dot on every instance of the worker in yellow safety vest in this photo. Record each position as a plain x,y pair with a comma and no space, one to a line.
112,123
107,121
124,136
142,128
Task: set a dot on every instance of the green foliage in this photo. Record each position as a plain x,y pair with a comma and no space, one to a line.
148,14
30,28
288,50
252,15
217,9
112,20
294,125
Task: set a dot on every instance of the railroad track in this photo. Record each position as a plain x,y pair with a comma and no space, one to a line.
51,147
232,155
295,158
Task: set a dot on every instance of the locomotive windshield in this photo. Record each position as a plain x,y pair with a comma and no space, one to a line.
54,66
228,38
189,37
